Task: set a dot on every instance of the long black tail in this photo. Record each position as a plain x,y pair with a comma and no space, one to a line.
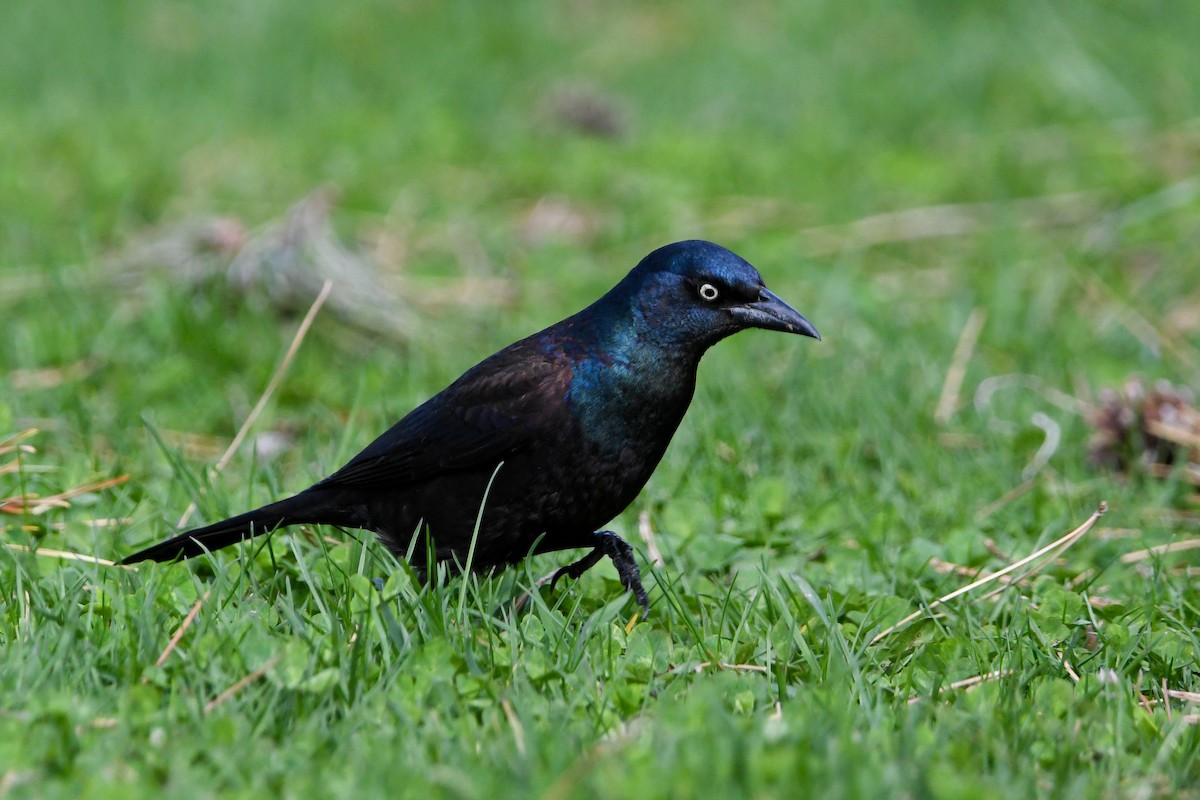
307,507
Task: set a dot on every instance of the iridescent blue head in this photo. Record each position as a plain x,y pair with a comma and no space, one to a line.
693,294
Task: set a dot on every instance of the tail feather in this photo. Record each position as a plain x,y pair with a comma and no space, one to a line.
302,508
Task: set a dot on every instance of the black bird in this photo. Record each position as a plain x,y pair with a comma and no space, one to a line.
544,442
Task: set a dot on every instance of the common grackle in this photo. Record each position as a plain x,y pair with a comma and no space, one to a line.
545,441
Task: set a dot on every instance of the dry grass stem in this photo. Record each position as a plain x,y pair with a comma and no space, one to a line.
988,387
703,665
966,683
1109,534
1145,331
50,377
242,684
1082,578
952,386
272,385
31,504
1160,550
1175,433
1049,446
1005,499
1067,666
108,522
1051,549
1191,472
182,629
962,219
11,444
199,446
995,550
646,531
514,723
66,556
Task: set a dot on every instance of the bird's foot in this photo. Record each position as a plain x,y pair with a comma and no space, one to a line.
619,550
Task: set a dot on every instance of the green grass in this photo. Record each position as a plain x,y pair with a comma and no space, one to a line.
798,508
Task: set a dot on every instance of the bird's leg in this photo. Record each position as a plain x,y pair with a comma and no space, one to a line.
577,568
616,548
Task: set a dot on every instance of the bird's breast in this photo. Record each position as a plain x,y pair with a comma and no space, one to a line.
627,407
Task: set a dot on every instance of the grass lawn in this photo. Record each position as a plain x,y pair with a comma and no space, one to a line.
990,211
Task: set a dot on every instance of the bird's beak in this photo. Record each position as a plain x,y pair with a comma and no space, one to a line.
771,313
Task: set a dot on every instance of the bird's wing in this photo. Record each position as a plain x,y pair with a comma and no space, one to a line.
496,409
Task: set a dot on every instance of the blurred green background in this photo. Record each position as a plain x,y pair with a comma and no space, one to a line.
119,114
892,168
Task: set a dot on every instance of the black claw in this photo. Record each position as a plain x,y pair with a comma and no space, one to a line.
616,548
627,569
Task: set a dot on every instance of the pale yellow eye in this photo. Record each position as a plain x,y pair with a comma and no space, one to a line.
708,292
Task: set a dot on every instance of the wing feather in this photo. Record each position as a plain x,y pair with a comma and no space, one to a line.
495,410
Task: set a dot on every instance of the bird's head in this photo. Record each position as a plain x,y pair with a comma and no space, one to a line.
696,293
